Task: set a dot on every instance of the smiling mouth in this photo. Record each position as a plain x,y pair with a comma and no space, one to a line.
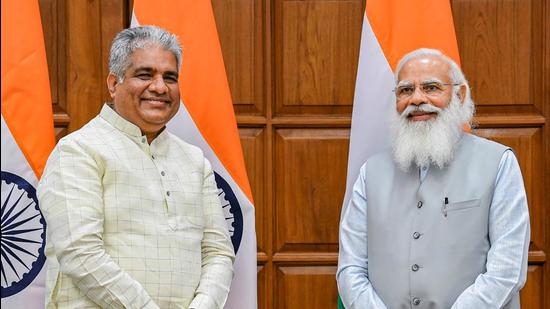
156,101
421,116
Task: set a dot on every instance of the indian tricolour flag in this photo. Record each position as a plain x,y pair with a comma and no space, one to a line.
206,119
391,29
27,139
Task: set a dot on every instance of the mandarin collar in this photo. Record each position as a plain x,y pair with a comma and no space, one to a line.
113,118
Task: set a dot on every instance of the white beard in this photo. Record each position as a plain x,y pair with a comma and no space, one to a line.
431,141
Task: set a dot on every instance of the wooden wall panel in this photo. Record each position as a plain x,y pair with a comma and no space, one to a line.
500,47
311,168
253,144
262,287
531,295
54,23
52,17
240,28
306,287
84,67
316,47
115,16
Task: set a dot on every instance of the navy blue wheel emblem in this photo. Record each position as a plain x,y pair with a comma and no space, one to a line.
23,235
231,210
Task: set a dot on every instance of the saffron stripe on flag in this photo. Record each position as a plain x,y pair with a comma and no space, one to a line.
26,99
402,26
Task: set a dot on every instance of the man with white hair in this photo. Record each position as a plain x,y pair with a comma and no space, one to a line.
446,211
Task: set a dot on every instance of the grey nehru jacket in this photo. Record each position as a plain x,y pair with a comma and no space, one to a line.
423,252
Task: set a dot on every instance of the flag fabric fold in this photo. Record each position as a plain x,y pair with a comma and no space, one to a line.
207,119
27,139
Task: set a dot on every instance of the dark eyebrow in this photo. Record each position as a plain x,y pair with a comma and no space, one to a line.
143,69
172,74
149,70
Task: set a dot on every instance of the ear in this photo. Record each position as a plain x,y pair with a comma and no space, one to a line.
112,82
461,93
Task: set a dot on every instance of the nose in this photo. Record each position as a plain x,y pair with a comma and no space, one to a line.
418,97
158,85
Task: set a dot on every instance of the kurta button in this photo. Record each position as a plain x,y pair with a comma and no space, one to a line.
416,301
162,173
153,157
415,267
168,193
416,235
143,140
419,205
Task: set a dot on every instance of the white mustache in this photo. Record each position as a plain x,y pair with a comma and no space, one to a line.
426,108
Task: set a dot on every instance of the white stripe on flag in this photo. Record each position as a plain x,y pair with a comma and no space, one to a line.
372,106
13,161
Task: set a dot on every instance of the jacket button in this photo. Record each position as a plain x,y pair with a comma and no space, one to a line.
419,205
416,301
415,267
416,235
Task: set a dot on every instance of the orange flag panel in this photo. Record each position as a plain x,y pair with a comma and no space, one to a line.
402,26
26,100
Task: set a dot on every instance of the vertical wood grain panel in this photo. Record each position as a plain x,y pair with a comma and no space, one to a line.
262,287
531,295
253,144
84,62
50,20
500,48
240,28
316,62
311,171
306,287
114,17
545,282
54,24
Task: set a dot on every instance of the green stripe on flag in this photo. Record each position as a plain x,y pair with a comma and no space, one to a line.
340,303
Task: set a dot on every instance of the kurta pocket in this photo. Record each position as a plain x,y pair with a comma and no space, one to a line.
464,205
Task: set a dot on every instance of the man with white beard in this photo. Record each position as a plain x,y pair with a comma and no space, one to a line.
446,211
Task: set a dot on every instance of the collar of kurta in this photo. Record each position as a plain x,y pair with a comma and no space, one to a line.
109,114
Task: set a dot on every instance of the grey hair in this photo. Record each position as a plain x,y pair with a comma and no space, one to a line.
129,40
455,73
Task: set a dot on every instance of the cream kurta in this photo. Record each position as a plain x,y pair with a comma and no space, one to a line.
131,224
